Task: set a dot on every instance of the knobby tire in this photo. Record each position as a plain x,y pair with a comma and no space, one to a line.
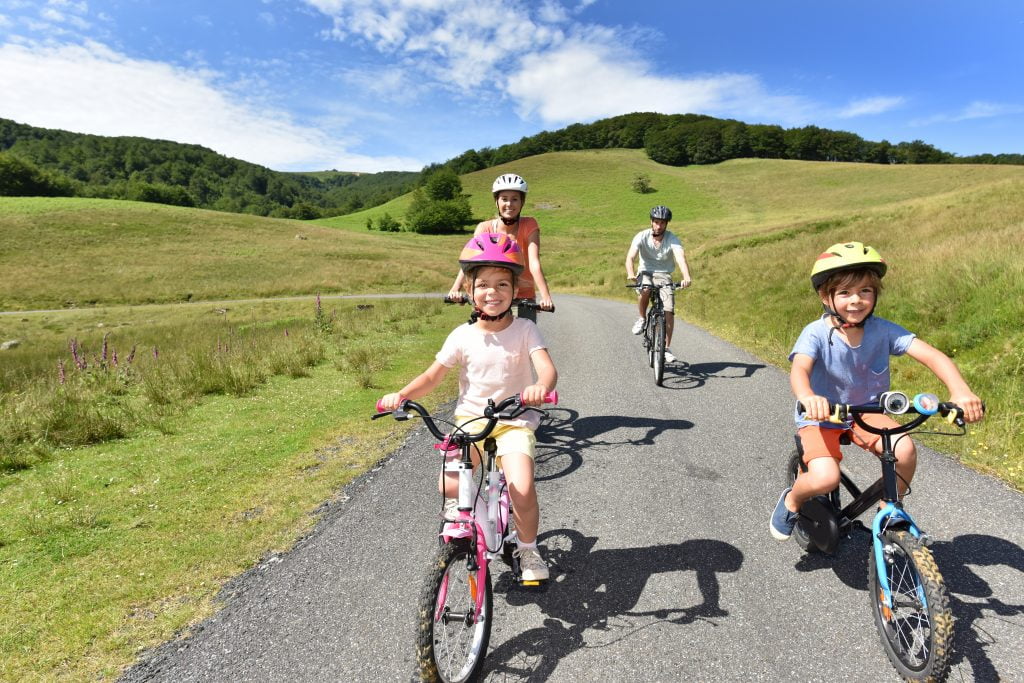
452,648
916,638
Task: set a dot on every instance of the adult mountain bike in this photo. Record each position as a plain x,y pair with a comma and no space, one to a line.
909,600
456,601
653,335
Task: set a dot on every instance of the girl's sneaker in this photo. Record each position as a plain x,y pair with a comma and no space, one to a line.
531,565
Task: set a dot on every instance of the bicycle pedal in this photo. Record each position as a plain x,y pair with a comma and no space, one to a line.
530,583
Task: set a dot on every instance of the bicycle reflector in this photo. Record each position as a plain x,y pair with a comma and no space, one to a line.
926,404
895,402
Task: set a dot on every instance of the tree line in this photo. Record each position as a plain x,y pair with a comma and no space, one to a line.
683,139
40,161
45,162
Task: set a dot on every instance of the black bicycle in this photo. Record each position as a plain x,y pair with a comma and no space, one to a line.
908,596
654,323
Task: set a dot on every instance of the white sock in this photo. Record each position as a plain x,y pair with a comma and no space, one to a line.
529,546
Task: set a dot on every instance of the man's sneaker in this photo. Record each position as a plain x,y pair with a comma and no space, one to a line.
783,520
531,564
638,326
669,358
450,511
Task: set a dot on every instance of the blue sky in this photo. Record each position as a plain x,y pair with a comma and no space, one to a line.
371,85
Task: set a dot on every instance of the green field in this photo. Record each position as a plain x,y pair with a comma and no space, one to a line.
112,546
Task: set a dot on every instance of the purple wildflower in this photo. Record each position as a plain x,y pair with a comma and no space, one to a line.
60,370
156,354
103,352
131,356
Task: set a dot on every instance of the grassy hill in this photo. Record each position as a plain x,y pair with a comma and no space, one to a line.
248,463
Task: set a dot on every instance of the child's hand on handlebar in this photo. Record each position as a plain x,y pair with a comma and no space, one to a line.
533,395
972,406
815,407
390,402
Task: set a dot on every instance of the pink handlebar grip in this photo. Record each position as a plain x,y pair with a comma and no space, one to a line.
551,397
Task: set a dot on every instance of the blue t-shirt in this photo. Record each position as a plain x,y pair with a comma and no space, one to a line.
845,374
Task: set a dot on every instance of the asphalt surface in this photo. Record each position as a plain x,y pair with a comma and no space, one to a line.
654,519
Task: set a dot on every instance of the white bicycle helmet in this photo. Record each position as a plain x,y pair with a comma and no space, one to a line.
508,181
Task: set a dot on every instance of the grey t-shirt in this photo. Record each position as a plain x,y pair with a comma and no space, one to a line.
846,374
652,258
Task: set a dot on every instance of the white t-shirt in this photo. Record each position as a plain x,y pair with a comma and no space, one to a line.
656,259
492,365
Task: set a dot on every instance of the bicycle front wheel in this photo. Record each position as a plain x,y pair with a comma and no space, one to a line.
658,350
917,631
451,636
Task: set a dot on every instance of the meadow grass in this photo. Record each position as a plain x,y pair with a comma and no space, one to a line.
114,547
197,467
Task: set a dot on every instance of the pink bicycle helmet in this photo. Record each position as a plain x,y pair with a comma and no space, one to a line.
492,249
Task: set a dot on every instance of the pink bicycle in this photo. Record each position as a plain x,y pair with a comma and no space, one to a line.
455,606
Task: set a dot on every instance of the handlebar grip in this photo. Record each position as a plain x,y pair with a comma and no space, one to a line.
551,397
462,299
380,407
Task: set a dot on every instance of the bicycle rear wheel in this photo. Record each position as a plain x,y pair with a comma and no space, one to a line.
658,350
451,638
917,632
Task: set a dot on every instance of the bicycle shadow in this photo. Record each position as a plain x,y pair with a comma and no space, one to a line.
561,441
683,375
602,591
954,559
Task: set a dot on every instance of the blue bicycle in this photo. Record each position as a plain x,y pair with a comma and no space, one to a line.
908,595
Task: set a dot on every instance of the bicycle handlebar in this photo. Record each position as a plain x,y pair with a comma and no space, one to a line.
463,299
896,403
493,413
651,285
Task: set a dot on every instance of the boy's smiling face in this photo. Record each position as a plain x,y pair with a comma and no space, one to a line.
493,289
853,302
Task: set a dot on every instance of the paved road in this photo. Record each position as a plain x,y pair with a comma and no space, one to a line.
655,507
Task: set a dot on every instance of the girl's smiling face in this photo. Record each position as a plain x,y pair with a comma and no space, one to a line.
853,302
493,289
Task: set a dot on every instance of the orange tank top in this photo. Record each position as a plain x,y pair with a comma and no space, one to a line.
526,227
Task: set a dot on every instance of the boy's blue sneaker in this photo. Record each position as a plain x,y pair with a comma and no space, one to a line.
783,520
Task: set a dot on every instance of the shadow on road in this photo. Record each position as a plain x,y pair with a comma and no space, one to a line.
563,437
970,596
594,598
682,375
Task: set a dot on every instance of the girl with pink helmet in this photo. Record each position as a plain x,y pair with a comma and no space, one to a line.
497,356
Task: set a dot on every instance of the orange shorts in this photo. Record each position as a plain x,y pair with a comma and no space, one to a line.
822,442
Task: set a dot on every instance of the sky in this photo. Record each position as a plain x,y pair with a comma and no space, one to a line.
375,85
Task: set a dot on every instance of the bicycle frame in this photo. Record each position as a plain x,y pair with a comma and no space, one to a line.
885,489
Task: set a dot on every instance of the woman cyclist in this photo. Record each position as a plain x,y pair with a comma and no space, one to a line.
509,192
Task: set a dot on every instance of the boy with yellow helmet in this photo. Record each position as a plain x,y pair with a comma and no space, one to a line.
843,357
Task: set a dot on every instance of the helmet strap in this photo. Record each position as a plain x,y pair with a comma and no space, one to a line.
842,323
477,314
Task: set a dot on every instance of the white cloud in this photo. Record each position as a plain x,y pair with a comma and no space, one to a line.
90,88
870,106
550,66
975,110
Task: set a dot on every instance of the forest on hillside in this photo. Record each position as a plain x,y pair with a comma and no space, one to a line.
45,162
41,161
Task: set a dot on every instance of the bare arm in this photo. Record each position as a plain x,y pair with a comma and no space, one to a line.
421,386
547,378
630,259
815,407
680,257
944,368
533,250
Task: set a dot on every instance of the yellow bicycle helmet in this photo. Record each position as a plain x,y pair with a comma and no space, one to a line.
845,256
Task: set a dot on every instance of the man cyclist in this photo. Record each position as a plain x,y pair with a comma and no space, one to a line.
659,251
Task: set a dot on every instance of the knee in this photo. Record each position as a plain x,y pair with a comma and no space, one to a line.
906,454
